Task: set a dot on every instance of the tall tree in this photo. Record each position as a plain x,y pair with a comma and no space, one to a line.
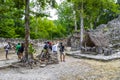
91,11
75,21
95,11
65,16
27,28
81,24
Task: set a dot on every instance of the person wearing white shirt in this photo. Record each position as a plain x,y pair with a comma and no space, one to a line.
55,48
54,51
7,47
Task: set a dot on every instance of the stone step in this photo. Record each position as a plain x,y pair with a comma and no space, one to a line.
100,57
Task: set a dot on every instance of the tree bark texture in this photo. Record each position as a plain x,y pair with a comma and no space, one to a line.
27,30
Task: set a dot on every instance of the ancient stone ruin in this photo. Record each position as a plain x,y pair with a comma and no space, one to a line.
105,39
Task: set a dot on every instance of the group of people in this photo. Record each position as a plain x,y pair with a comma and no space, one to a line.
53,47
19,50
47,48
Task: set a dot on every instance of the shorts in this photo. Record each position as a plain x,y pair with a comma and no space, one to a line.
54,52
6,51
45,51
18,53
62,53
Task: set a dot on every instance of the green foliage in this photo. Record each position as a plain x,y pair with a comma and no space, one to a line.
31,49
95,12
12,23
46,29
65,16
38,7
10,18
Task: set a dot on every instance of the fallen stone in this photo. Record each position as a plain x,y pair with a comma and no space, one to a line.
43,65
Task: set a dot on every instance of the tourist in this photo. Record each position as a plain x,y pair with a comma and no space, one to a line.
50,45
62,54
21,50
31,50
55,47
54,51
7,48
45,48
18,50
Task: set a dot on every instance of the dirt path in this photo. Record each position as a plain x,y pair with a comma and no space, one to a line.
11,54
72,69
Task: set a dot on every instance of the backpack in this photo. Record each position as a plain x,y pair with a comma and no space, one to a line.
46,47
19,49
9,47
61,48
5,47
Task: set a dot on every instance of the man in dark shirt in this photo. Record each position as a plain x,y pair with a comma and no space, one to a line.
62,54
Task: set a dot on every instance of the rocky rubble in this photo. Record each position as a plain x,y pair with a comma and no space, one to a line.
105,39
51,59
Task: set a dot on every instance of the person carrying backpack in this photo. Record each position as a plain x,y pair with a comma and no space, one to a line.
62,54
7,48
21,50
18,50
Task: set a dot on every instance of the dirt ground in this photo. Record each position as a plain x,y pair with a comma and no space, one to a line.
72,69
11,54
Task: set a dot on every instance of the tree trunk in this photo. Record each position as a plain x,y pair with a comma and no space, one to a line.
91,26
27,30
36,28
81,29
81,25
75,23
